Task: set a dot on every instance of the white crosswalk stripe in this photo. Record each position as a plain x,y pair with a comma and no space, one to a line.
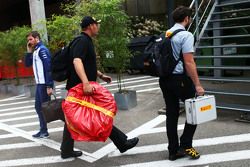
34,161
204,159
18,118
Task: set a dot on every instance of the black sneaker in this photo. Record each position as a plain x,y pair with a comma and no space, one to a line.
129,144
72,154
44,135
180,153
192,153
41,135
37,135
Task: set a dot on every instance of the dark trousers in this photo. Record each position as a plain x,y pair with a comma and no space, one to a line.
41,97
175,88
117,136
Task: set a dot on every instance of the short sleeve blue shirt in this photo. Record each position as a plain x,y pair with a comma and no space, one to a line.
182,41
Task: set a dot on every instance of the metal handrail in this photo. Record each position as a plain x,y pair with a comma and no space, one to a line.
197,27
199,21
195,13
242,80
191,6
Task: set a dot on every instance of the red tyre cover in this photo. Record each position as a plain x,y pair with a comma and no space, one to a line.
89,118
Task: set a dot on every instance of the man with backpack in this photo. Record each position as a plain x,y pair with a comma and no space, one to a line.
38,56
83,69
181,84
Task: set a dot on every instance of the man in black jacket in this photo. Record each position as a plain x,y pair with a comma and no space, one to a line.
82,70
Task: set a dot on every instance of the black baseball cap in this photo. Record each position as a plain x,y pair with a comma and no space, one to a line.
87,20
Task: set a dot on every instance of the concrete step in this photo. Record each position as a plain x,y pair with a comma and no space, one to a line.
224,46
227,36
221,56
225,67
233,3
230,19
226,28
232,11
226,79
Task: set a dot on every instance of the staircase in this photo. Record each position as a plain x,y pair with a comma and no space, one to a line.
223,52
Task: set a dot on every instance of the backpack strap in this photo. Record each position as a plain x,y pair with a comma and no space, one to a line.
175,32
74,40
181,55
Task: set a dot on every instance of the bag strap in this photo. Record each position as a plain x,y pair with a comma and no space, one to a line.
74,40
181,55
175,32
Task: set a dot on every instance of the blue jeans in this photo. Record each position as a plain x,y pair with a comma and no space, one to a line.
41,97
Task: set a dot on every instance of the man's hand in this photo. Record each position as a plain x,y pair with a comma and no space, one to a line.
199,90
106,78
88,89
49,91
29,48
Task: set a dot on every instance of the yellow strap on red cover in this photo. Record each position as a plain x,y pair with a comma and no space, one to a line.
90,105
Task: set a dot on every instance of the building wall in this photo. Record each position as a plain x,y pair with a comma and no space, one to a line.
151,7
16,12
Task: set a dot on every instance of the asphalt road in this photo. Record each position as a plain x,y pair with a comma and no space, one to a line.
222,142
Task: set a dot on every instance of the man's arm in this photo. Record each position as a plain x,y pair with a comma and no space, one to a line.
45,57
191,70
105,78
79,67
28,59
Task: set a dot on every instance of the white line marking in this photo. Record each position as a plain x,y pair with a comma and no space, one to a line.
19,118
17,108
11,98
155,130
204,159
137,86
7,136
17,113
34,161
25,124
130,82
20,102
136,132
19,145
196,143
147,90
60,86
161,129
28,124
124,80
51,130
47,142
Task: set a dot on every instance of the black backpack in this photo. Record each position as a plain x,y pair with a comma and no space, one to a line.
159,59
60,62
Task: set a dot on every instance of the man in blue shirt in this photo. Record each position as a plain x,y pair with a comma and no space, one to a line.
38,56
184,83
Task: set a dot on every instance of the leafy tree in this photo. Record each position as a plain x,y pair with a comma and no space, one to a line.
112,39
61,30
13,45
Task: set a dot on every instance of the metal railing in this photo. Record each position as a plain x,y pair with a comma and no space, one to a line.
202,19
199,21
